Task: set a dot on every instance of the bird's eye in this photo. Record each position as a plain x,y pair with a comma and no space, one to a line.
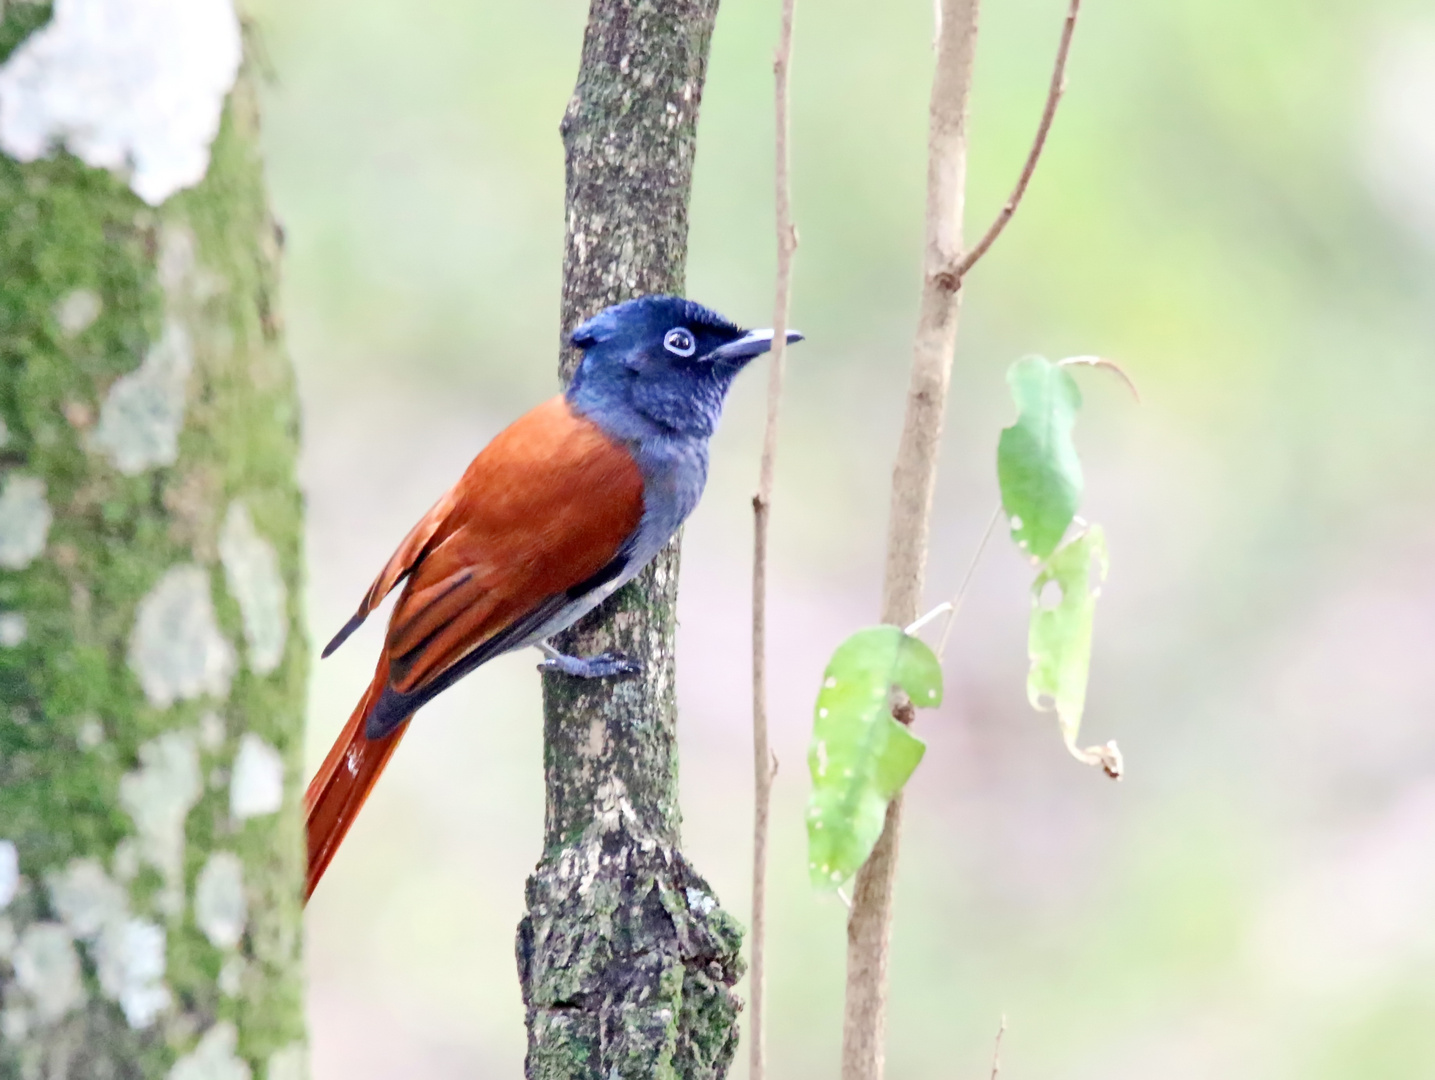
679,342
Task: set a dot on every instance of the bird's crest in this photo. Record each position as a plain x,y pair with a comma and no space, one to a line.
656,308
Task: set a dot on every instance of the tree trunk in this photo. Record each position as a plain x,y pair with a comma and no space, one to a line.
625,959
152,657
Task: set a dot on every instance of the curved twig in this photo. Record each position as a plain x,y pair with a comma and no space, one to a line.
1048,114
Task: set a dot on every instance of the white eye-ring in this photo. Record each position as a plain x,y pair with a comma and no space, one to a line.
679,342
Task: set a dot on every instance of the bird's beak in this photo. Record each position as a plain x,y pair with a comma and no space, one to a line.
753,343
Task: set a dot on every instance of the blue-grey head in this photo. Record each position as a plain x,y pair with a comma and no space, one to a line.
660,365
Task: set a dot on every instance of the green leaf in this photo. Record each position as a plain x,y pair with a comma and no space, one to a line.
1063,599
860,756
1037,466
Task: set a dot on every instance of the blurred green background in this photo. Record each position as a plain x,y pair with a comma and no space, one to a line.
1238,203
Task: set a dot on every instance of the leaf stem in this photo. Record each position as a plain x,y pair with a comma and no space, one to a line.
955,604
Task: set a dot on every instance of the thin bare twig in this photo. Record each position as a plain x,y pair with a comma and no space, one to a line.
997,1050
1048,114
764,761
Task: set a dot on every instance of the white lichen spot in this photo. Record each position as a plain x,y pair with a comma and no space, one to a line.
211,731
78,311
129,953
252,569
47,968
13,629
219,905
126,862
257,785
24,521
134,86
1016,523
821,751
14,1024
231,976
213,1058
177,650
177,258
91,733
130,959
286,1064
700,901
143,412
830,683
931,693
9,872
822,713
85,897
158,796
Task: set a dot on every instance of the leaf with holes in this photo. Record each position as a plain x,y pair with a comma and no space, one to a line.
1060,638
860,756
1037,466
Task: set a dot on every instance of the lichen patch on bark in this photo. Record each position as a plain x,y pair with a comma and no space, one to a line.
134,86
256,787
13,629
177,650
47,972
214,1058
251,568
220,907
9,872
158,797
143,413
25,519
77,311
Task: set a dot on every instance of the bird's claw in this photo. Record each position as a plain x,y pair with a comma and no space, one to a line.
604,665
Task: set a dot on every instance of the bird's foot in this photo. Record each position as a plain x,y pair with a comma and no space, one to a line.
602,666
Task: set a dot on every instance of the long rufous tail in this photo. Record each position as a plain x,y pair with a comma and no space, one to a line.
343,782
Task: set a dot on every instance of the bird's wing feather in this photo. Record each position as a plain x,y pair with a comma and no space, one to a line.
548,505
540,517
409,552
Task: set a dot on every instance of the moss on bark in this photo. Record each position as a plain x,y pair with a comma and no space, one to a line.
152,654
626,961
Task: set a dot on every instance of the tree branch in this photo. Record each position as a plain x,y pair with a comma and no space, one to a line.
625,959
763,767
1048,114
913,482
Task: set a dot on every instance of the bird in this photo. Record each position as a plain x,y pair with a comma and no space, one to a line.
557,512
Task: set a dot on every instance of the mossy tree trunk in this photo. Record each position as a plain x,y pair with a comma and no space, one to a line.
625,959
152,657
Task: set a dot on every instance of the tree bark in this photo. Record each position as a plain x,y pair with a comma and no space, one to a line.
152,654
626,961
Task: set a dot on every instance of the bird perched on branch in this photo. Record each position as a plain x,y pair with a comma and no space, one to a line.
552,516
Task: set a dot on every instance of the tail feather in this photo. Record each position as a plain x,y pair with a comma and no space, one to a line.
344,780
